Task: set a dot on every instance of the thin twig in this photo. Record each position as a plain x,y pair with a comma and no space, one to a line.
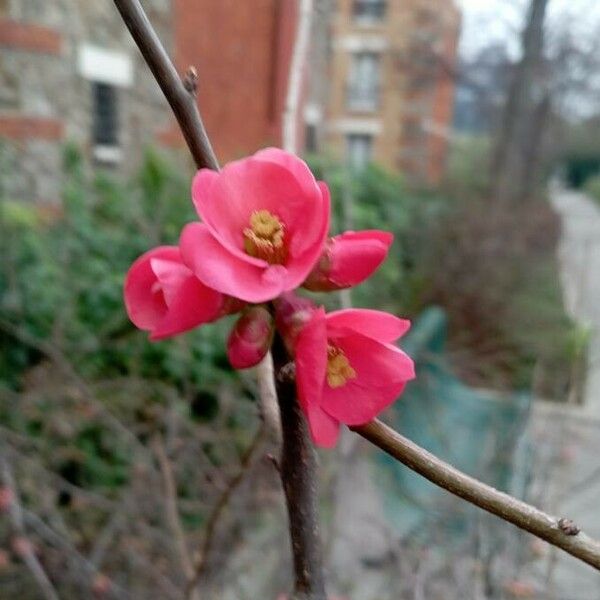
171,509
26,549
506,507
56,356
83,564
182,100
267,395
247,461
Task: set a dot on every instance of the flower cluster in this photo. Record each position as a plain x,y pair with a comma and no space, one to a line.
264,233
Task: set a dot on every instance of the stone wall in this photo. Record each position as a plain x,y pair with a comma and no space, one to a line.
46,98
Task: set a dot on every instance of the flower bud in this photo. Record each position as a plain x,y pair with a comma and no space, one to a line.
291,314
250,338
348,260
6,498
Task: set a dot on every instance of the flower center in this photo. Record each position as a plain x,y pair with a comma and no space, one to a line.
265,237
338,367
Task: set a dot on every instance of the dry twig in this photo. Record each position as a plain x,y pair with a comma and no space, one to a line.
25,548
502,505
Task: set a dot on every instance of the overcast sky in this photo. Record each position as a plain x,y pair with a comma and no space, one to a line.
486,20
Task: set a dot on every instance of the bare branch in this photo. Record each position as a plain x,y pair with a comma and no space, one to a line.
521,514
171,510
182,101
248,460
267,395
25,549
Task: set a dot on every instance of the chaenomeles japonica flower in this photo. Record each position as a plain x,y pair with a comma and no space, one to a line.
163,297
264,233
264,224
348,369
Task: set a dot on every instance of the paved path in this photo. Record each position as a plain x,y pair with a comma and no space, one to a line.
579,256
569,436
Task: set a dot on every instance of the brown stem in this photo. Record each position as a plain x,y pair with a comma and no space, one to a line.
298,470
182,100
558,532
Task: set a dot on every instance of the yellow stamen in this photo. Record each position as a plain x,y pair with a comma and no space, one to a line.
338,367
265,237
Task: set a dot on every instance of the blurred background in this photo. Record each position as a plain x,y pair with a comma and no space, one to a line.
470,129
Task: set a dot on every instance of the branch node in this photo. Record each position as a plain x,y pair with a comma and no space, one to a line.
568,527
190,80
273,460
287,373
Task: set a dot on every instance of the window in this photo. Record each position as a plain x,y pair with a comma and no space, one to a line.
310,138
106,118
369,11
359,148
363,82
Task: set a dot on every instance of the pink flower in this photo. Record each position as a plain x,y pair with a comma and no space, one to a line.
164,297
349,259
347,370
265,220
251,337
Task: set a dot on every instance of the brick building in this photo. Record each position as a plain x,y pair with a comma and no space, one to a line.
392,91
69,71
242,51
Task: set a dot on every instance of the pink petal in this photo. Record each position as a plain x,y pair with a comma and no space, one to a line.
354,404
324,429
302,264
355,256
375,324
247,185
222,271
192,304
293,164
375,364
382,371
311,360
202,186
311,225
144,300
171,276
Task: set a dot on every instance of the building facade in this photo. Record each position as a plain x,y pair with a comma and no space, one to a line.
69,71
242,52
392,86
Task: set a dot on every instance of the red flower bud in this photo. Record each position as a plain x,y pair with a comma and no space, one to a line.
348,260
291,314
6,498
251,337
100,585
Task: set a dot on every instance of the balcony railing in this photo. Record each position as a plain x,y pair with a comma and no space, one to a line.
362,98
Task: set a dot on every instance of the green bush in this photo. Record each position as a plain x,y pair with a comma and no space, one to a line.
61,279
494,272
